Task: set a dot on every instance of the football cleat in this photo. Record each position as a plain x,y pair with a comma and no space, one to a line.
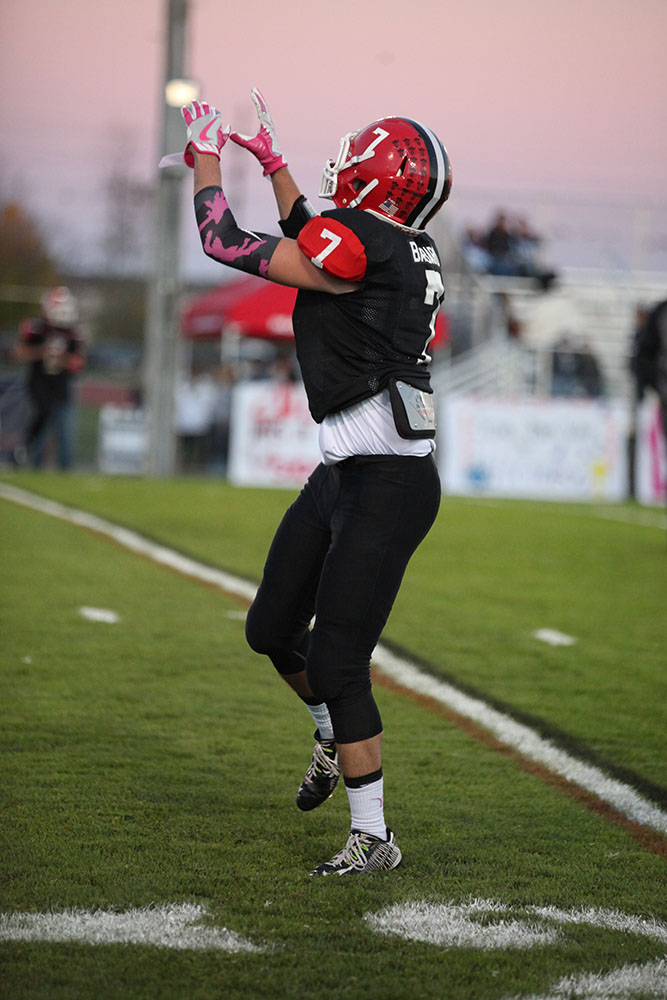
363,853
321,777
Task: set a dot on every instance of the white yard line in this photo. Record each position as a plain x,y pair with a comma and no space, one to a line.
464,925
648,980
487,924
527,741
553,637
105,615
175,925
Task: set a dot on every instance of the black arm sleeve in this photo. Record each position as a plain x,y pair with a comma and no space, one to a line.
300,213
222,239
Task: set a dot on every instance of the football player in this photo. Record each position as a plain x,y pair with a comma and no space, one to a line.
370,286
52,346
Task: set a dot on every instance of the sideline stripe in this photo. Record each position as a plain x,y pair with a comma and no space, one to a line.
459,925
520,737
642,518
133,541
506,730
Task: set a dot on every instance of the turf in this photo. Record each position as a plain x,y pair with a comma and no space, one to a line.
156,760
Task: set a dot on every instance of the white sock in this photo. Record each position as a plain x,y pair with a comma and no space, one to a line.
366,808
322,720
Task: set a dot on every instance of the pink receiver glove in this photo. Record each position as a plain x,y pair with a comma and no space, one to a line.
263,145
205,134
205,131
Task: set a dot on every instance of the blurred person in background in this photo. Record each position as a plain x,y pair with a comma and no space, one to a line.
195,400
642,361
589,372
473,246
499,243
564,368
649,356
509,248
370,286
225,379
52,346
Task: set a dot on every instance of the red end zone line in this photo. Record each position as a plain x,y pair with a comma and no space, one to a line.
612,798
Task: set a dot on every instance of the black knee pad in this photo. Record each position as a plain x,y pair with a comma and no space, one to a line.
354,719
332,678
256,634
286,652
325,681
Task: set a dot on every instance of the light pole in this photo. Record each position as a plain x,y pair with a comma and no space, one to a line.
162,330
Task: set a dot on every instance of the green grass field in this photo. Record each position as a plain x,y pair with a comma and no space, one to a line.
155,761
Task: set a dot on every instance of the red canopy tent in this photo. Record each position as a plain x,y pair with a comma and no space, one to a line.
253,307
249,306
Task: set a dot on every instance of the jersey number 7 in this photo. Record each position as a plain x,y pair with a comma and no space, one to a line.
435,293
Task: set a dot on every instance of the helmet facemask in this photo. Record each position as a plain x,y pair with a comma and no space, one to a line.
329,182
343,161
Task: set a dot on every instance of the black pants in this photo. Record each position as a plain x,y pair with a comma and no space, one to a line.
340,553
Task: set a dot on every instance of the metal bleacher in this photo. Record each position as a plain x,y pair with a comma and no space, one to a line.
593,309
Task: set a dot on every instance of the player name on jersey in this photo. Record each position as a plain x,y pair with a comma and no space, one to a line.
426,255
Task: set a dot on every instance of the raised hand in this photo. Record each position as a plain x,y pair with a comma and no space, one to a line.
264,144
205,133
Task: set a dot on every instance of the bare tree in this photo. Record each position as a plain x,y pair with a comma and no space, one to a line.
128,202
26,265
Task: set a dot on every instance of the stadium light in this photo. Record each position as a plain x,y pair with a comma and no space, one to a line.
179,91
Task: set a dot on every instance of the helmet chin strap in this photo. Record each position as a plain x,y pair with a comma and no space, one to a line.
393,222
364,191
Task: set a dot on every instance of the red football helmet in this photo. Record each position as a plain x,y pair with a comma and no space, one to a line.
59,307
394,168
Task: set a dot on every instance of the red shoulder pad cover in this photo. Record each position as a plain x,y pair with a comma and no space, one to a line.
333,247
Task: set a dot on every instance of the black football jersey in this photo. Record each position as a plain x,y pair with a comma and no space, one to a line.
49,378
349,346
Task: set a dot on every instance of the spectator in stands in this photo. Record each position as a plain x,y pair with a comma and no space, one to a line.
564,375
526,245
507,249
589,373
474,250
52,347
575,371
499,243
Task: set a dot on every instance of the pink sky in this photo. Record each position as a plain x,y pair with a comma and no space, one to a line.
526,94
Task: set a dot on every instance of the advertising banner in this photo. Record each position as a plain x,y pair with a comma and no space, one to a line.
549,449
273,437
569,450
123,441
